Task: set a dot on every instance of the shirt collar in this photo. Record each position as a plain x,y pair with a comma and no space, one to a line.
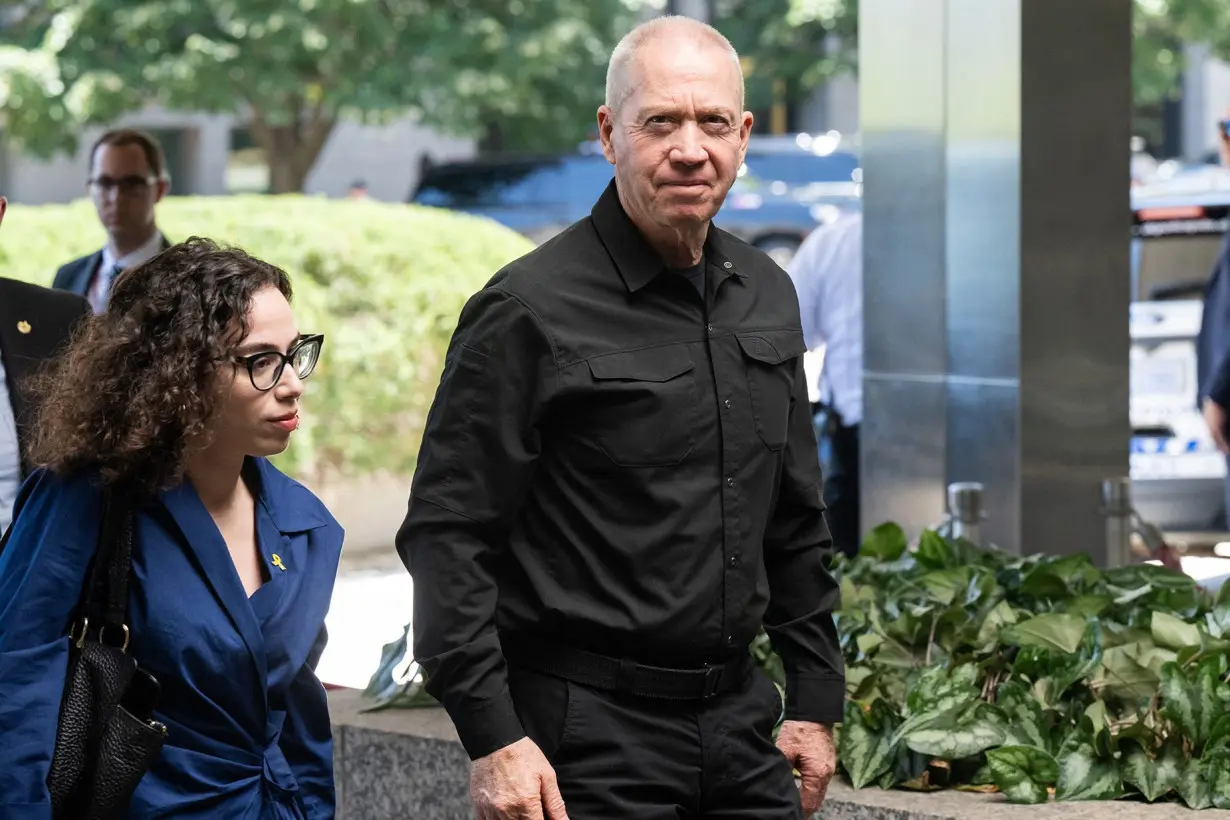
637,262
151,248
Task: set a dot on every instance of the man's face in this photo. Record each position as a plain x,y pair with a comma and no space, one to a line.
125,191
678,139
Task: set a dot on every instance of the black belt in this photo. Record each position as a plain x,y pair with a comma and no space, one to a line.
623,675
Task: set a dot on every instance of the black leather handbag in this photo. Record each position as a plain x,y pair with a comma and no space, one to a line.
107,737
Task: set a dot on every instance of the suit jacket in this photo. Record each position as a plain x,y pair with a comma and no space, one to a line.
75,276
247,719
35,322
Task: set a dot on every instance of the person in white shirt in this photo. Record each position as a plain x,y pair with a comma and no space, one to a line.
128,178
827,272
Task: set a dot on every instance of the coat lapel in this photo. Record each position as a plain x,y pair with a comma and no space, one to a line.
207,545
16,349
29,334
85,272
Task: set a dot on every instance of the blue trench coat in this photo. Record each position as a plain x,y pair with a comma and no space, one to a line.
247,719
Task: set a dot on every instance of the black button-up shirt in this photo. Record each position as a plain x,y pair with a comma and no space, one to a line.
614,464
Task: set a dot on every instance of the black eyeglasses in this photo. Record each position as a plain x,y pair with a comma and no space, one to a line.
124,185
265,368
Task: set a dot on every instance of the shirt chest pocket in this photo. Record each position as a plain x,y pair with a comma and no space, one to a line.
769,357
645,406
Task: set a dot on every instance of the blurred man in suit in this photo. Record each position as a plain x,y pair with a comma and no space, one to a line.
34,322
127,179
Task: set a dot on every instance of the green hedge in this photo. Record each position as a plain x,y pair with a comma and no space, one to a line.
975,669
383,282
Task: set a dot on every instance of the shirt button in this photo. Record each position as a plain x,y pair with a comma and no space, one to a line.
709,328
734,560
726,404
726,265
730,639
730,481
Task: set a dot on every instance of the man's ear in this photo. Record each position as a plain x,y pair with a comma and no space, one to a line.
606,124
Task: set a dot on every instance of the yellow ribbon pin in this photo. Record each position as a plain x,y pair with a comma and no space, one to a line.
277,562
23,327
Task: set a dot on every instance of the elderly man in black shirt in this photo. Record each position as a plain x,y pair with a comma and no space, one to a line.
618,485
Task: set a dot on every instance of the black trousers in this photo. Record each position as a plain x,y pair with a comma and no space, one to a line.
622,757
839,456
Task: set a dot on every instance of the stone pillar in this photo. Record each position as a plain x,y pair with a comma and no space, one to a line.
995,159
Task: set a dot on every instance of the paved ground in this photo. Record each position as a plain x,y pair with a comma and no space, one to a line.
371,606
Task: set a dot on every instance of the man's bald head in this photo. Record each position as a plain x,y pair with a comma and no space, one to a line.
621,71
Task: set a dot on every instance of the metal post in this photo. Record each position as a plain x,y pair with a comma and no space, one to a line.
965,510
1117,508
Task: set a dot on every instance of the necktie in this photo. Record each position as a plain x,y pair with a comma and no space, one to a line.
102,287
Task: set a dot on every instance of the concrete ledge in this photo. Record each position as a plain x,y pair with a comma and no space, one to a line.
407,763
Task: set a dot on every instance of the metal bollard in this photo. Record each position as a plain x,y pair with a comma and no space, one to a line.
1117,507
965,511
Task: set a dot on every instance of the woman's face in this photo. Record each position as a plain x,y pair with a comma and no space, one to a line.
255,421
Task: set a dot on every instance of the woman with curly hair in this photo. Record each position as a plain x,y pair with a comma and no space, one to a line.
172,400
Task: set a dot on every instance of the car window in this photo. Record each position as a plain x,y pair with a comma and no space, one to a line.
484,184
1173,255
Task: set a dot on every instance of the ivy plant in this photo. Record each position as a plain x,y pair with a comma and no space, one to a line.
1037,677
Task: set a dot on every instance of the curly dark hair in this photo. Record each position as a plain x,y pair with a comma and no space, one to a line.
134,391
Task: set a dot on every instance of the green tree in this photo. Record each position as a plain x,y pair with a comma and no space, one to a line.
294,69
790,46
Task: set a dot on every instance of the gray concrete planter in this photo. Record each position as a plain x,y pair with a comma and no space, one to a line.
407,763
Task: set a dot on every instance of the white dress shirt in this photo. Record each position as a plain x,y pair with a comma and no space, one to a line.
827,272
10,455
100,288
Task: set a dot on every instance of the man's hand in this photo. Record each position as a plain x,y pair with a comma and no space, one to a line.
809,748
1215,418
516,783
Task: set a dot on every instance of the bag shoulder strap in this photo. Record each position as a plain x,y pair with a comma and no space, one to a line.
106,601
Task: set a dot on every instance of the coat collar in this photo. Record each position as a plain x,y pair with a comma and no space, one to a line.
637,262
290,507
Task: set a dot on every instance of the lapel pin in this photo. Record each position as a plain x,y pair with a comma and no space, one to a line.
277,562
23,326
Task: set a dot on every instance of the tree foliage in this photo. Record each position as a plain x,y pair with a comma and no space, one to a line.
801,43
521,74
296,68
